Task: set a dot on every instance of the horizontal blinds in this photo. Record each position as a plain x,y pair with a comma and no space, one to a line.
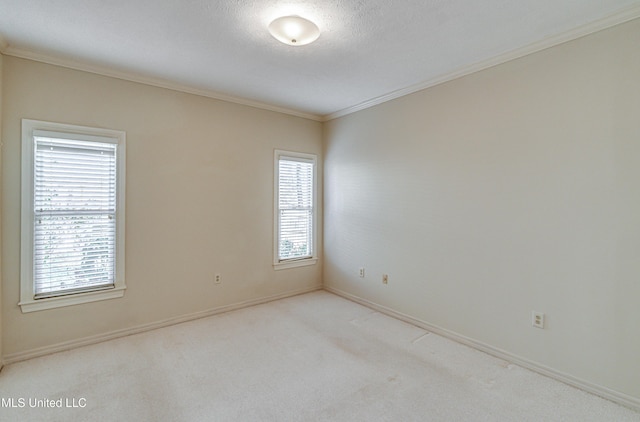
74,215
295,203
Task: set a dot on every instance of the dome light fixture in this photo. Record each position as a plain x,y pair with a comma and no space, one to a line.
294,30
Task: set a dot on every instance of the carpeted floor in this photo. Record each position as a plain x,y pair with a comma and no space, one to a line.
314,357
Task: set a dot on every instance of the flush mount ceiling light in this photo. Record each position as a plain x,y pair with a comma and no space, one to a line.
294,30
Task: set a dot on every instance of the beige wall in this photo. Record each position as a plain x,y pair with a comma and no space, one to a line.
199,199
510,190
1,100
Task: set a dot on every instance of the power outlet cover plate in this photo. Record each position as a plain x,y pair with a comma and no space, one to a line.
537,319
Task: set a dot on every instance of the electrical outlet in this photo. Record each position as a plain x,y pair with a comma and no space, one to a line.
217,279
385,278
537,319
362,272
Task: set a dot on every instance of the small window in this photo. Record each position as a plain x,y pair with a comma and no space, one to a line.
295,209
72,215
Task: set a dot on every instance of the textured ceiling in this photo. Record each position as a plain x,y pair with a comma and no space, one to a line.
367,48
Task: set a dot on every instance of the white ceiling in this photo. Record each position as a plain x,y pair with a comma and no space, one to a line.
367,50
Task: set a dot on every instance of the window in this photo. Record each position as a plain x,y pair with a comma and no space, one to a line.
72,215
295,209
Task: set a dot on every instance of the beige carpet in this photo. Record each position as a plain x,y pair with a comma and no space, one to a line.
313,357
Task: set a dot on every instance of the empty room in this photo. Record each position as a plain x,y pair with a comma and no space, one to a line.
268,210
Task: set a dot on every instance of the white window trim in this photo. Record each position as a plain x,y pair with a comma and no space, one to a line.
27,289
292,263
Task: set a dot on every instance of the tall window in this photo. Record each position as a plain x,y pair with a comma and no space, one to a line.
72,215
295,209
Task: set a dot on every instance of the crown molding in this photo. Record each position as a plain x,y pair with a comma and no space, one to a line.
10,50
3,44
618,18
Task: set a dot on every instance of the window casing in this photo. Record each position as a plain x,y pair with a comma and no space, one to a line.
295,209
72,215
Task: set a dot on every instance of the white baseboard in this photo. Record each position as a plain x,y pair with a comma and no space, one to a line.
604,392
98,338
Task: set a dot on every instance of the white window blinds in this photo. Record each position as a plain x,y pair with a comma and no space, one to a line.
295,208
74,214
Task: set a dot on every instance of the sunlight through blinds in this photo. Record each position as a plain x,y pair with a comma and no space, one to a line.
74,215
295,208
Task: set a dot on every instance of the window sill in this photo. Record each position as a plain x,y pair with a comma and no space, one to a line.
294,263
75,299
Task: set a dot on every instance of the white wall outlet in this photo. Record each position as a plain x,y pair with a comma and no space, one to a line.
385,278
362,272
537,319
217,279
